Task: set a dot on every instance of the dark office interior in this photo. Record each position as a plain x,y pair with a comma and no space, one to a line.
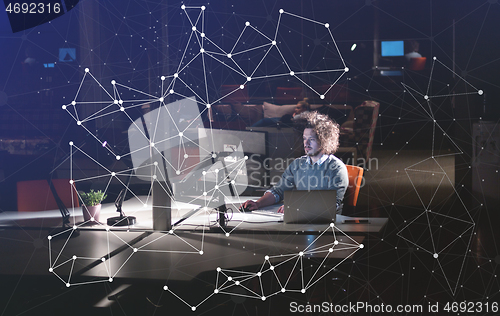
431,167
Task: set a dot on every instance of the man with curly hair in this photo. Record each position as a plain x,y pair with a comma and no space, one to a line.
319,169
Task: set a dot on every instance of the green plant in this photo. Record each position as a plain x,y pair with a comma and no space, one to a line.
92,198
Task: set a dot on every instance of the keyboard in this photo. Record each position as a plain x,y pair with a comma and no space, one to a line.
268,213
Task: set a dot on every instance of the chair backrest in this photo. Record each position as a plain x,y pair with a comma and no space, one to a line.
355,177
365,121
35,195
417,63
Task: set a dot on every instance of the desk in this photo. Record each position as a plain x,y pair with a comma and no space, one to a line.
139,253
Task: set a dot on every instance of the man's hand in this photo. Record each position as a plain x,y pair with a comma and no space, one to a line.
281,209
250,205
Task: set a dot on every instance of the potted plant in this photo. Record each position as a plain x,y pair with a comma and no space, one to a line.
91,204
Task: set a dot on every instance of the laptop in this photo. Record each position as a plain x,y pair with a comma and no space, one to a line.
310,207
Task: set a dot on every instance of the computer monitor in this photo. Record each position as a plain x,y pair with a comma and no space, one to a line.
392,48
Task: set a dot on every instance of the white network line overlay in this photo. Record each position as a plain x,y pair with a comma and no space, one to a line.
115,104
430,215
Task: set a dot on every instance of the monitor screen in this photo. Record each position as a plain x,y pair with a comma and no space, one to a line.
392,48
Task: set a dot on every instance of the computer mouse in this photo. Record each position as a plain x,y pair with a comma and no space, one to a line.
244,209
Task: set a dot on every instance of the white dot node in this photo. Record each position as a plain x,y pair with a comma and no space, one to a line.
426,97
301,253
183,7
227,234
165,288
203,7
202,34
118,157
181,134
87,70
155,163
78,123
186,156
242,87
336,242
171,232
110,279
92,219
68,285
214,155
216,187
259,274
71,181
216,291
64,107
263,298
201,252
74,227
178,172
145,205
122,108
282,11
74,257
171,91
327,25
121,101
162,78
249,79
283,290
303,291
202,50
204,193
292,73
246,157
237,282
161,99
113,82
135,249
361,246
51,270
219,269
346,69
107,229
266,257
229,55
332,224
193,308
233,182
271,267
330,250
73,102
247,23
194,28
435,58
113,174
216,170
435,256
273,42
208,106
480,92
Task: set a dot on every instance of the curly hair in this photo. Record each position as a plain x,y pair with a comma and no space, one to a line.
325,128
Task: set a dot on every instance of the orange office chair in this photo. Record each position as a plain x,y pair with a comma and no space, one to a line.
35,195
417,63
351,195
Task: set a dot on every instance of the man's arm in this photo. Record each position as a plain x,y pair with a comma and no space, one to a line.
266,200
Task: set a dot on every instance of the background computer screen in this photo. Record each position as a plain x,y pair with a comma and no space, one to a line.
392,48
